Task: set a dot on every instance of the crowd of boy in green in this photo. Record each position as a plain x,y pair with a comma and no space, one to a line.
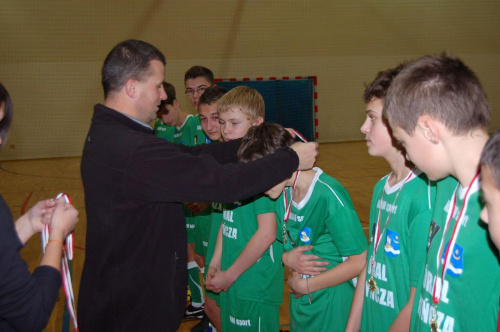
430,263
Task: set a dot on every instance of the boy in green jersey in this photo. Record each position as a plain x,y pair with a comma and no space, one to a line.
439,111
185,129
490,186
207,222
246,265
313,210
400,216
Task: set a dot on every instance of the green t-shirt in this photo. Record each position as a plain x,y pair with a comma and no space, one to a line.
469,297
190,133
325,218
406,210
161,130
263,281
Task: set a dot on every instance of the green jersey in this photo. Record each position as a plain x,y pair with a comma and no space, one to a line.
469,287
190,133
400,217
263,281
161,130
324,218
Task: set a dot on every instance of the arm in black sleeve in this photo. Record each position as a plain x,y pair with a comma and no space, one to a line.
159,173
224,152
26,300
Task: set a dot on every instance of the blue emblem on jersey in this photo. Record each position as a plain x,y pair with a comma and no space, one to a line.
456,265
207,140
392,243
237,204
305,235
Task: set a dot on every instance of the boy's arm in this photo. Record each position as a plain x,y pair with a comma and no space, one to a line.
215,263
402,321
303,263
258,244
354,321
341,273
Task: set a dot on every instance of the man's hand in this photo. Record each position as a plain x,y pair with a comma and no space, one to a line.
307,152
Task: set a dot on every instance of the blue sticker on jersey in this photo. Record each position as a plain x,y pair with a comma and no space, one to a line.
456,265
392,244
305,235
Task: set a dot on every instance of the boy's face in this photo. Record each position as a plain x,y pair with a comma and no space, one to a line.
171,117
210,121
195,88
377,133
491,211
234,124
421,152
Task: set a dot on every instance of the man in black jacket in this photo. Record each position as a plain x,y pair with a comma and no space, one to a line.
134,276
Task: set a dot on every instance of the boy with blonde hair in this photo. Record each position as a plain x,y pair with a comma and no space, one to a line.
438,110
246,264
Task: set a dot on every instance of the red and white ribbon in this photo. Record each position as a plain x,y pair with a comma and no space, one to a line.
68,250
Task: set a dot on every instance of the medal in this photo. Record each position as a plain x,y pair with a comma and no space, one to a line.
372,284
434,325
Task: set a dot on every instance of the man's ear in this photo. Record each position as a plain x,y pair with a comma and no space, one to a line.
429,128
131,88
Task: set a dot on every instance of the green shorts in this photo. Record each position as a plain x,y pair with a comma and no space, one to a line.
202,233
243,315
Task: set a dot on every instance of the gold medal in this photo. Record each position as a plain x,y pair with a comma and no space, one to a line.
434,325
372,284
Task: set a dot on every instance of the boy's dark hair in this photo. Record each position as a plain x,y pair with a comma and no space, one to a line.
171,96
442,87
6,121
212,95
490,157
380,85
263,140
129,59
197,71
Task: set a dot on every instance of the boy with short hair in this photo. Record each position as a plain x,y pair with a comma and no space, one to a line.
438,110
490,185
207,223
183,129
314,211
246,264
400,214
197,79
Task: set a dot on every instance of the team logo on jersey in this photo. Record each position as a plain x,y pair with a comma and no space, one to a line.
207,140
305,235
456,265
392,243
432,233
237,204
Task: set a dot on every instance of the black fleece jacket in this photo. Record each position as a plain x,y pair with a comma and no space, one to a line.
134,276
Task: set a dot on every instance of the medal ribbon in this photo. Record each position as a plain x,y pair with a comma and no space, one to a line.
378,234
436,298
288,206
67,253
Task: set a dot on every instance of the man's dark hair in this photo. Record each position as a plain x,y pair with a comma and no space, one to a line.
380,85
490,157
212,95
197,71
7,117
129,59
263,140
